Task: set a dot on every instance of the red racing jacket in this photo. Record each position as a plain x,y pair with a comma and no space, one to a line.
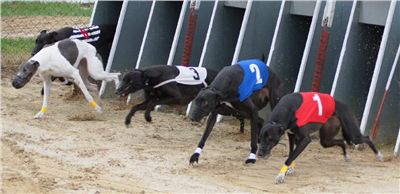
316,108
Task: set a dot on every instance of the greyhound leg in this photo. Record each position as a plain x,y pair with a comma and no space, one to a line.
46,93
210,124
152,104
150,107
95,69
326,143
241,125
378,154
79,82
299,148
83,72
173,94
328,131
292,140
141,106
254,138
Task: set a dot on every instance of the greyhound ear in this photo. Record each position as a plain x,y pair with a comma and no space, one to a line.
43,32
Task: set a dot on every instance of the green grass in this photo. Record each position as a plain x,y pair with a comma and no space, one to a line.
44,9
17,46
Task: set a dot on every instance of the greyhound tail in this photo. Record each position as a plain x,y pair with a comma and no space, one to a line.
350,129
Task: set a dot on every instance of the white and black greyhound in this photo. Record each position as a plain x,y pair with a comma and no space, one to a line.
72,59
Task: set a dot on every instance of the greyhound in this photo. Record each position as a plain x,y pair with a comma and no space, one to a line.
246,88
72,59
300,114
100,36
164,85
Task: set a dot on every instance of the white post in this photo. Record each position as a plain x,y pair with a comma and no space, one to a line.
177,33
242,32
145,34
343,51
203,52
396,147
378,66
278,24
93,12
240,40
396,59
176,38
329,13
308,46
115,43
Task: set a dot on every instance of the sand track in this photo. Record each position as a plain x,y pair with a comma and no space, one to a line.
100,155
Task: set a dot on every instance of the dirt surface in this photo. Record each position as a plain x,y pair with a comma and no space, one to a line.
76,150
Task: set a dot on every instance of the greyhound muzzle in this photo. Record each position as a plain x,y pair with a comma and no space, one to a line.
123,90
264,151
197,113
19,82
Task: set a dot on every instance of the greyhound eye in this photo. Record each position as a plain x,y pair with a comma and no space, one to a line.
204,103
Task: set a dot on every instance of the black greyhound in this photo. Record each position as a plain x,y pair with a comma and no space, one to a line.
163,85
300,114
225,93
100,37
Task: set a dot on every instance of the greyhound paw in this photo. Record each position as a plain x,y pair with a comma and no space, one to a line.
347,158
194,158
127,122
290,171
39,115
379,156
148,118
98,109
280,178
252,161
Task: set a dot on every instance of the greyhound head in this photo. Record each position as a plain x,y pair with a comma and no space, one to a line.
43,39
205,102
131,82
25,72
270,135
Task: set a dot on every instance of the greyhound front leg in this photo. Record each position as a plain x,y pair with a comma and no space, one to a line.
141,106
299,148
292,139
46,93
152,104
79,82
210,124
254,138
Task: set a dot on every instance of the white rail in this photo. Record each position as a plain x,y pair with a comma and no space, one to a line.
378,66
343,51
115,42
308,46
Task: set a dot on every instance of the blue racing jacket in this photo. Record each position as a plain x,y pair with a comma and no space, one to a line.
255,77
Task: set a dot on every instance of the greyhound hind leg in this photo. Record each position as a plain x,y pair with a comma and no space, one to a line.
95,70
78,81
327,133
378,154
